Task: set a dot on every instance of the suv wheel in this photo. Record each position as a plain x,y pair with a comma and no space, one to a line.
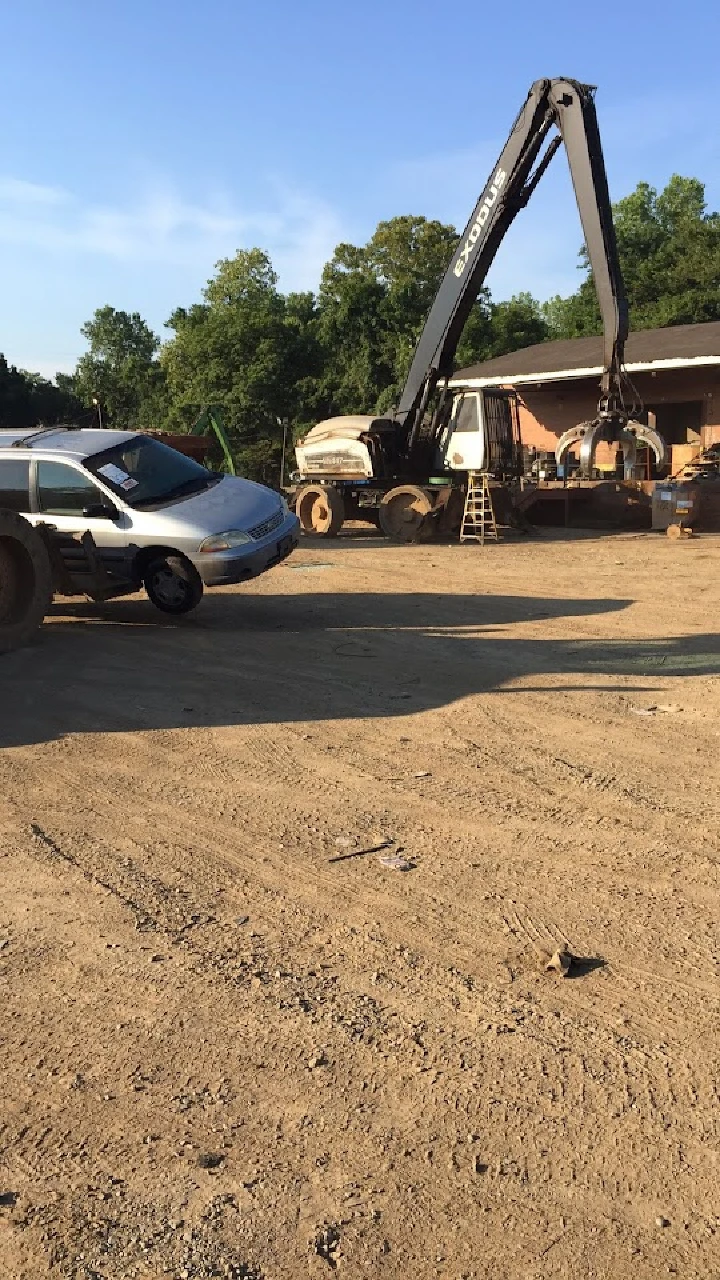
173,584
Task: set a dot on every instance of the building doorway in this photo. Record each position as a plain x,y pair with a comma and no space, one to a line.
679,423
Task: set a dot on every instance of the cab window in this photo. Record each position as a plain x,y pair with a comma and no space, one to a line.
63,491
14,484
466,415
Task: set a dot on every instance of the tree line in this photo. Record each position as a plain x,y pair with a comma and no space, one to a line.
267,358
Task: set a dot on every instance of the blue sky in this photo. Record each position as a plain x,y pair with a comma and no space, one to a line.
143,141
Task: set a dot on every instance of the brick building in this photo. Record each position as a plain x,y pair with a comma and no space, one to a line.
676,372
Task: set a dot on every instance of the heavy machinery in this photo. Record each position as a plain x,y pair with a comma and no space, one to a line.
409,470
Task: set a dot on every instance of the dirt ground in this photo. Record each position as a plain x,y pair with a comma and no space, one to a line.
236,1044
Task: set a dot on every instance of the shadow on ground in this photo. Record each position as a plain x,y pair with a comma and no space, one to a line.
584,965
359,537
245,659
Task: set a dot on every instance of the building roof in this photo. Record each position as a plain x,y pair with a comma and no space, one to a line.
680,347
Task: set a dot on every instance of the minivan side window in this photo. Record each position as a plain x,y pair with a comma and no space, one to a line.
14,484
63,491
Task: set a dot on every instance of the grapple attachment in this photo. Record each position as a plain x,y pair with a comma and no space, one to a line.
610,428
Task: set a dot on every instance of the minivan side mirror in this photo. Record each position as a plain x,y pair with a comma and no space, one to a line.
101,511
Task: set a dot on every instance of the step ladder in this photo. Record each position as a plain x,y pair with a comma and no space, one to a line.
478,522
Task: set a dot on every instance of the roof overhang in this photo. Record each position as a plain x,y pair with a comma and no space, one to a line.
571,375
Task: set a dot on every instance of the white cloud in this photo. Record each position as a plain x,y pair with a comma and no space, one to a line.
60,256
303,234
161,227
17,192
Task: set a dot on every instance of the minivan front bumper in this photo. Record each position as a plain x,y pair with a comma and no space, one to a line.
222,568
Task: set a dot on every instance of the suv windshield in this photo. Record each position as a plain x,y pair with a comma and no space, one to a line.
146,473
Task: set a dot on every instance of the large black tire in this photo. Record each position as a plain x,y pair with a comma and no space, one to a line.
404,512
25,581
173,584
320,510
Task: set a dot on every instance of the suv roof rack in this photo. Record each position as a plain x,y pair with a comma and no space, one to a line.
22,441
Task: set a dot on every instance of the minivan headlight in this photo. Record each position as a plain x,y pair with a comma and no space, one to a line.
225,541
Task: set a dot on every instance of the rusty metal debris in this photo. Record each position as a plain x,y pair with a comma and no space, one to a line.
396,862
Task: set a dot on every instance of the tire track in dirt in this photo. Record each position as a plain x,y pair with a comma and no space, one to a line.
634,1067
434,1022
322,778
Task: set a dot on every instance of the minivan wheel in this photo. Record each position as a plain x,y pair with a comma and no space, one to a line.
173,584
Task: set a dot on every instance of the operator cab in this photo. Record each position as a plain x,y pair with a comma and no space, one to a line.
462,443
482,434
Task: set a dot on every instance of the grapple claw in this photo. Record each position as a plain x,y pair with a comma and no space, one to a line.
613,429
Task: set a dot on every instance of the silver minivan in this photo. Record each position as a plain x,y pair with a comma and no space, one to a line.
158,519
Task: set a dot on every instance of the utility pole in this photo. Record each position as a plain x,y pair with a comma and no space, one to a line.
283,422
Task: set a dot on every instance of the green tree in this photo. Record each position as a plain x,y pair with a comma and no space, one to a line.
373,303
516,323
247,349
27,399
121,370
495,328
669,247
476,340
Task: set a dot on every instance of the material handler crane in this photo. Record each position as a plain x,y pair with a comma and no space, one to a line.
410,469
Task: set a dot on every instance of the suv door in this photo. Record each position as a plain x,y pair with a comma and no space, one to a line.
62,495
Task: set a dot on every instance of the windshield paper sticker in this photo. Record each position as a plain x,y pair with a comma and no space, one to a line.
129,483
115,474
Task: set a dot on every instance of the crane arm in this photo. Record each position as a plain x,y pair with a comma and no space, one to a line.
568,106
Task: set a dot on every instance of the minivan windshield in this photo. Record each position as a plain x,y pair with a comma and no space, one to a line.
146,473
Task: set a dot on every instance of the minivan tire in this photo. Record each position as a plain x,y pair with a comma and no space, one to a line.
173,584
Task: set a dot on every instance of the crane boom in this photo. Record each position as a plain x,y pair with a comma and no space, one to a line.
569,106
